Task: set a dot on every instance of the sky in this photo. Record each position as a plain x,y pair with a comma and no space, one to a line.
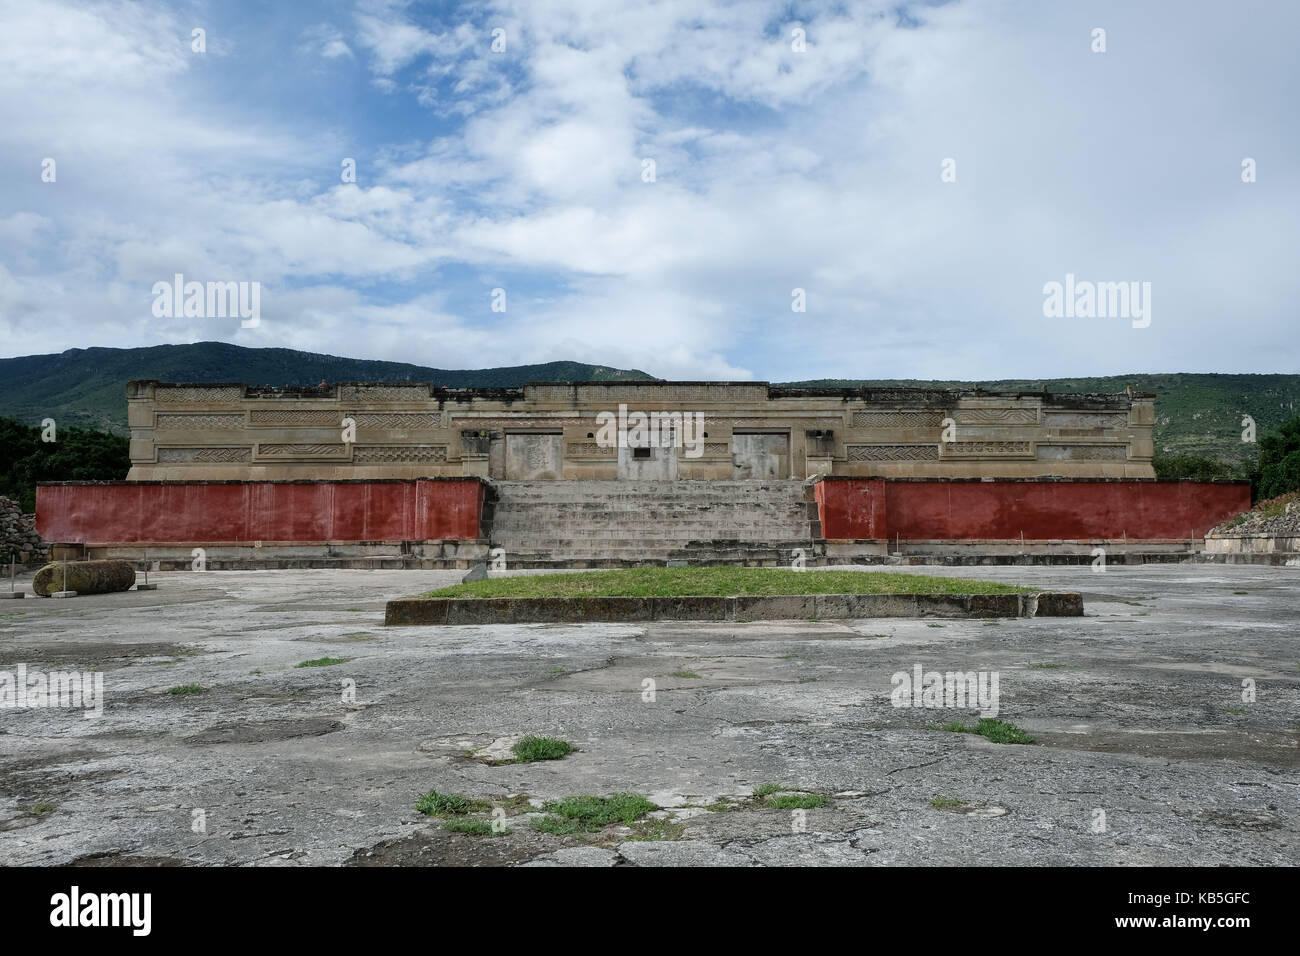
920,171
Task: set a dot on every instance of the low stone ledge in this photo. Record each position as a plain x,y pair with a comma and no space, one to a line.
1053,604
1251,544
775,607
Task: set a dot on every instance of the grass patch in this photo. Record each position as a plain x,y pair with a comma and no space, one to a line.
41,808
798,801
1235,710
435,804
475,827
947,803
324,662
255,672
587,814
766,789
1240,592
518,803
998,731
1047,666
531,749
556,825
649,831
718,582
685,674
184,690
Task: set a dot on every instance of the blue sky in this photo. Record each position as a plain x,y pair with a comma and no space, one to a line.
776,169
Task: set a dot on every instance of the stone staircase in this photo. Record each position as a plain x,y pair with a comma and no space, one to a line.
603,524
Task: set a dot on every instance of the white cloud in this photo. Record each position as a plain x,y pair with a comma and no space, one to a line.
775,170
326,41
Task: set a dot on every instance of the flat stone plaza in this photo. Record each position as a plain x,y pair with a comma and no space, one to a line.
1166,724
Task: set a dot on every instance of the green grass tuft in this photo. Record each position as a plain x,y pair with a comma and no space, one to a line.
435,804
722,806
324,662
589,814
475,827
947,803
798,801
691,675
185,690
648,831
531,749
998,731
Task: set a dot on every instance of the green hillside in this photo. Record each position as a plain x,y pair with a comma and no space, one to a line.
87,387
1196,413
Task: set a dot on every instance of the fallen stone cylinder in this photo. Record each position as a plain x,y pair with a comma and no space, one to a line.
84,577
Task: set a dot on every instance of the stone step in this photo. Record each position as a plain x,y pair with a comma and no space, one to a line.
601,563
646,504
604,484
692,511
785,555
527,522
669,493
635,541
670,528
685,533
619,524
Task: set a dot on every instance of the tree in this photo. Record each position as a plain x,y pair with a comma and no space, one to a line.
79,454
1191,466
1279,460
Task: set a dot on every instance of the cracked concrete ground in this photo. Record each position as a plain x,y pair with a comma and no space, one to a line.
1137,711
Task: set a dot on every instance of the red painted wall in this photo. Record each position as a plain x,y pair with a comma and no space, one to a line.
856,505
422,510
229,512
1042,510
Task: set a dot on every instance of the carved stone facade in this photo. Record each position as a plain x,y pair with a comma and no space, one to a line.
550,431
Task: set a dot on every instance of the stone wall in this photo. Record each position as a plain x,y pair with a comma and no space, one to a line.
18,536
550,431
